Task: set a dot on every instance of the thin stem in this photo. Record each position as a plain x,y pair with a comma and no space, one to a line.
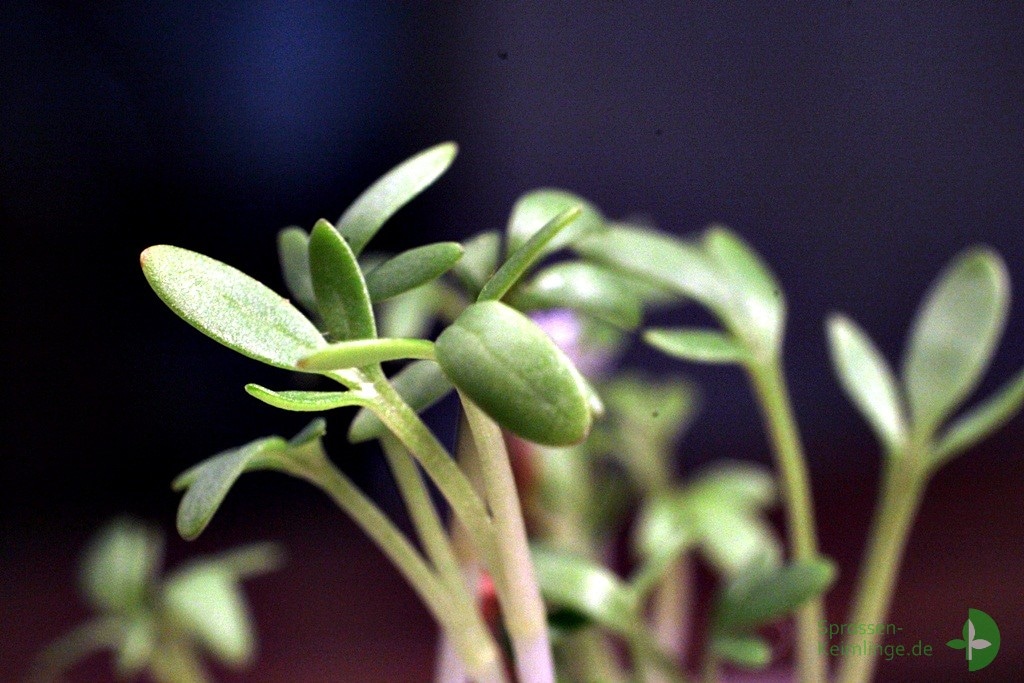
773,397
479,651
522,606
902,487
453,484
671,610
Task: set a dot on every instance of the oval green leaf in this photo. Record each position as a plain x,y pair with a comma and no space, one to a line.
293,255
760,595
535,209
520,260
392,191
362,352
866,378
702,346
658,258
341,295
230,307
206,599
584,287
421,384
307,401
120,565
411,269
510,368
954,336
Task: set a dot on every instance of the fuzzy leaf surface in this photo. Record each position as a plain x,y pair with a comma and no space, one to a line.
230,307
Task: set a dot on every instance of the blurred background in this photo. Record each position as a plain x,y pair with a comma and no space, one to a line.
858,147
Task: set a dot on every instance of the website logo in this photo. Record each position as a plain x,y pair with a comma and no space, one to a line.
980,640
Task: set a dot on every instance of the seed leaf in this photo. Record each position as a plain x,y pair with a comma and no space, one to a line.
230,307
704,346
748,652
535,209
520,260
411,269
421,383
585,287
120,565
479,261
867,379
341,294
760,595
587,588
753,300
982,420
392,191
293,254
658,258
207,483
509,367
307,401
360,352
954,336
207,600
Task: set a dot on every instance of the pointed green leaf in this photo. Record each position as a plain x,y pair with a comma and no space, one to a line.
479,261
206,600
754,300
954,336
866,378
341,294
658,258
535,209
362,352
229,306
509,367
584,287
703,346
732,541
120,565
748,652
411,269
395,189
208,482
520,260
421,384
760,595
587,588
307,401
745,486
957,644
293,254
982,420
253,559
410,314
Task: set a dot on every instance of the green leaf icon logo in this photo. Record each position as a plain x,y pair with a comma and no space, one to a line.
980,640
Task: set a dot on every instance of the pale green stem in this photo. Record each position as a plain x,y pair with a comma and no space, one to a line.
453,484
671,610
484,659
773,397
522,607
901,489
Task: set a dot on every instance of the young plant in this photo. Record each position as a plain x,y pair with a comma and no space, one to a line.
160,625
